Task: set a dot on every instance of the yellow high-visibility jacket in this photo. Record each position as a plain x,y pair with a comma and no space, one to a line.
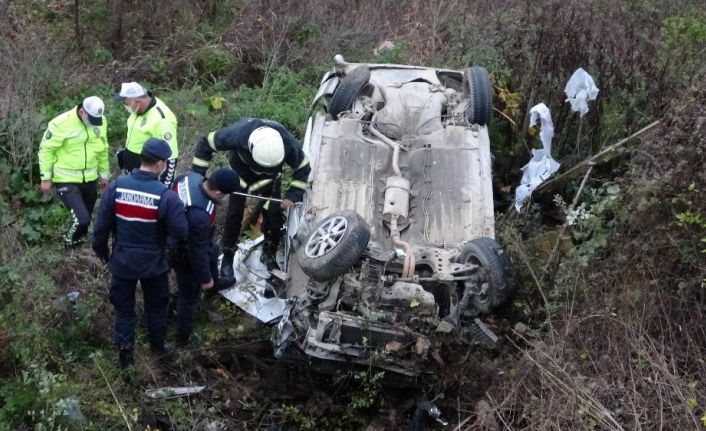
158,121
71,152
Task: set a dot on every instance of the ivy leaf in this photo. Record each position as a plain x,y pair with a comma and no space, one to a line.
217,102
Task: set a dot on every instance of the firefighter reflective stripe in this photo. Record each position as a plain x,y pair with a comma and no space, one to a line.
243,184
305,161
200,162
78,174
211,141
133,205
298,184
260,184
266,207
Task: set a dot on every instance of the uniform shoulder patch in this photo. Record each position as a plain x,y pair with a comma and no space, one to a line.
144,121
48,135
97,132
167,136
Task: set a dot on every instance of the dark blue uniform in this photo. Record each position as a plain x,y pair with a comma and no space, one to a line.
139,212
196,261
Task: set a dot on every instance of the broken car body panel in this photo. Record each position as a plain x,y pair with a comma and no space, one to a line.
393,247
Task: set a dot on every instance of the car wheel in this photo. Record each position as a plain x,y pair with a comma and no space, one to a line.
347,90
334,246
476,85
496,286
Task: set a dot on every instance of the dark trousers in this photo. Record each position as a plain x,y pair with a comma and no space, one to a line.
189,290
122,295
187,301
272,215
80,199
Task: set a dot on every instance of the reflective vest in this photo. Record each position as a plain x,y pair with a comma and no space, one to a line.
136,213
157,121
71,152
190,190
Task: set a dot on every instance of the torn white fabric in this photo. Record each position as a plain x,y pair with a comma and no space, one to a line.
579,90
546,132
541,166
250,283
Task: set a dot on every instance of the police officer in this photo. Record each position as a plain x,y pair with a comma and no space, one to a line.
140,212
149,118
73,157
259,149
196,261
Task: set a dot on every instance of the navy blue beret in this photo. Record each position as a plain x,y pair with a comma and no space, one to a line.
156,148
226,180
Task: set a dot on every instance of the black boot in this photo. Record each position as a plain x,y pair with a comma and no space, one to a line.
223,283
182,341
162,353
227,263
125,357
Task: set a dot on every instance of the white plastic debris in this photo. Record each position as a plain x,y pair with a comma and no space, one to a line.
579,90
541,166
170,392
250,283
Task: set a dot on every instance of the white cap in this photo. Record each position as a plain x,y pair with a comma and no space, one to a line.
130,90
266,146
94,107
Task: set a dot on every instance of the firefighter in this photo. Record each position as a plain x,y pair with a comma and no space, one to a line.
149,118
139,212
196,261
259,149
73,157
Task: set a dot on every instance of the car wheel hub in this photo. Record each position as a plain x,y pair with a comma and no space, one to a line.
326,237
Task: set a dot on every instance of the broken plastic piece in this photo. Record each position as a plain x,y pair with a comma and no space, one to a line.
170,392
579,90
251,277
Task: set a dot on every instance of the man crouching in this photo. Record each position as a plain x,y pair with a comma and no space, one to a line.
196,261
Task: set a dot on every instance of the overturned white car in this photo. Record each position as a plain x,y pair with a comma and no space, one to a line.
393,247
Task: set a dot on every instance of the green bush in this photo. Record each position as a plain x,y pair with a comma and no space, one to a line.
214,62
285,98
683,45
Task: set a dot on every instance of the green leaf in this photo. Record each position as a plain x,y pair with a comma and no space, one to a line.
217,102
414,303
691,404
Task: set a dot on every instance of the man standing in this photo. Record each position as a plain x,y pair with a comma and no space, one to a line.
259,149
73,155
149,118
140,212
196,261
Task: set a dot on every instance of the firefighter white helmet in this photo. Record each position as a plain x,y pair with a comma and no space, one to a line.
266,146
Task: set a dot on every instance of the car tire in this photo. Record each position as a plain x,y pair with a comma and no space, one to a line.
476,85
347,90
495,269
334,245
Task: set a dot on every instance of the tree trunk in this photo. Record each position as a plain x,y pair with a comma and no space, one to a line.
77,25
4,5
